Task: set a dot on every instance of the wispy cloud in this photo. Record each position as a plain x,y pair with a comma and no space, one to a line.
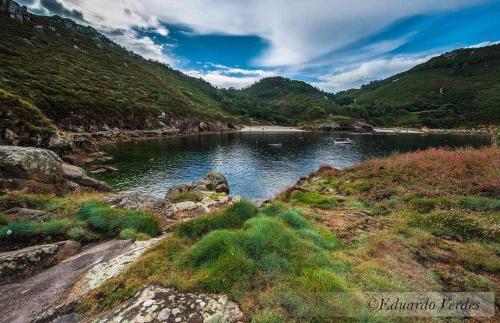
365,72
225,76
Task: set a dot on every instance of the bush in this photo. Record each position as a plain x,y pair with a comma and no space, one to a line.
112,221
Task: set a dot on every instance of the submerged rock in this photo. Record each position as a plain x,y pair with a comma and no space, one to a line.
158,304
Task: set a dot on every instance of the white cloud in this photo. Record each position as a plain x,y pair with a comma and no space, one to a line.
297,31
368,71
225,76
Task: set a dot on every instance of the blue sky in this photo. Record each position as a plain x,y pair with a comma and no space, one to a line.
332,44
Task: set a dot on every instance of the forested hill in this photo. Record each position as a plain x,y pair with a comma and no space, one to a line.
56,72
75,76
456,89
280,100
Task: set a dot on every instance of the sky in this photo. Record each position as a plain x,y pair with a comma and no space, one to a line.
332,44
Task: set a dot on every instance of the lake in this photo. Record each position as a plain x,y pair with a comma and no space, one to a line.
254,169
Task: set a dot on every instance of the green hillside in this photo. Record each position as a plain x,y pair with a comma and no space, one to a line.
72,76
279,100
76,76
456,89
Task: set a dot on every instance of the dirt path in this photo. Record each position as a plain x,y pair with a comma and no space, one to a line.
22,301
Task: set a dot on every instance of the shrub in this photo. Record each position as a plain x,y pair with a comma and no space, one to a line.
132,234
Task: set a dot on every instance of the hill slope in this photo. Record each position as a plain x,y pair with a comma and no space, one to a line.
77,77
280,100
456,89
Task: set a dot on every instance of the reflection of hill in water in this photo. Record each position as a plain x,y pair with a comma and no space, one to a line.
254,169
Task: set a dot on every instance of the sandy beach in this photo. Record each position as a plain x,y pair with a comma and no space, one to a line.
270,129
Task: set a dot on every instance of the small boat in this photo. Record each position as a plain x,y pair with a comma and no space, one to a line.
343,141
275,145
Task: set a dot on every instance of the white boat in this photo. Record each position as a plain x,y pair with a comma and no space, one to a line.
344,141
275,145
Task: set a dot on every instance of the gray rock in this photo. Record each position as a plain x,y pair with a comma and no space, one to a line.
158,304
94,184
23,262
216,182
21,213
72,172
137,202
35,168
59,143
10,136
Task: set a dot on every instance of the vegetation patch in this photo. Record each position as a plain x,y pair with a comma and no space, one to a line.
78,217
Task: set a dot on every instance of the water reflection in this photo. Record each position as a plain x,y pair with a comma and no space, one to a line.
254,169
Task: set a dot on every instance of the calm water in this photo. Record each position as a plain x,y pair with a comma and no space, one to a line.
254,169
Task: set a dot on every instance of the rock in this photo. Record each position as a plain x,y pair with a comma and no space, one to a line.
21,213
97,169
67,249
59,143
158,304
205,195
72,172
94,184
74,160
137,202
14,10
363,127
10,136
34,168
24,262
216,182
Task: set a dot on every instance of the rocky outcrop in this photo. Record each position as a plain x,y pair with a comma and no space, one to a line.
14,10
42,171
158,304
187,200
136,201
23,262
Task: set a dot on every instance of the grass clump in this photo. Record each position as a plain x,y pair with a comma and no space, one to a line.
233,217
92,222
112,221
264,254
313,199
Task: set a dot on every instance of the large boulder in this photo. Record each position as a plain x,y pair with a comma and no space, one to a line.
34,168
42,171
216,182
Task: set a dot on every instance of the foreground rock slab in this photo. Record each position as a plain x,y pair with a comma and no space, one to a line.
29,299
158,304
